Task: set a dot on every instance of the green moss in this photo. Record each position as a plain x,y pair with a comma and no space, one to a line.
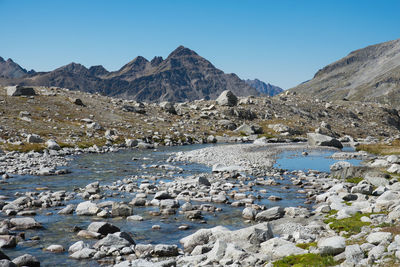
354,180
305,260
351,225
347,203
331,212
306,245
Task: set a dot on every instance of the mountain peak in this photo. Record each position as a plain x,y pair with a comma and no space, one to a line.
156,61
74,67
182,51
97,70
10,60
1,59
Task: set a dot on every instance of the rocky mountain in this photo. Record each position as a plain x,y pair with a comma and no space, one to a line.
182,76
368,74
264,88
9,69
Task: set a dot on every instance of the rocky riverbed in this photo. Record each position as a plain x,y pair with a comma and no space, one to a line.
187,206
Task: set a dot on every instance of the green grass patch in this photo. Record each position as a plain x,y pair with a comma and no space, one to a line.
307,245
354,180
381,149
100,142
351,225
305,260
25,147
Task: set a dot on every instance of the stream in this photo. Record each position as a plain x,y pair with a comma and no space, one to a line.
111,167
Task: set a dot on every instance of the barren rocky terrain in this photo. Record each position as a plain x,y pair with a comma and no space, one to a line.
236,212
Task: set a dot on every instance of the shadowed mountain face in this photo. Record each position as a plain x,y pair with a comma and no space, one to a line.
368,74
10,69
264,88
182,76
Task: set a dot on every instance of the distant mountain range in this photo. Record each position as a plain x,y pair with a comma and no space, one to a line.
182,76
264,88
368,74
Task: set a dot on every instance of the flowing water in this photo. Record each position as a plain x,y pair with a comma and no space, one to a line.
111,167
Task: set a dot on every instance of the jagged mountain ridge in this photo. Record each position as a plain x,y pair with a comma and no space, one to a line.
264,88
182,76
368,74
10,69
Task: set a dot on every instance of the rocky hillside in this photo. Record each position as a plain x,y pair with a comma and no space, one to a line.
57,114
182,76
369,74
264,88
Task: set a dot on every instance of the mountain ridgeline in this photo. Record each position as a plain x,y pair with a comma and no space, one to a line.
182,76
264,88
371,74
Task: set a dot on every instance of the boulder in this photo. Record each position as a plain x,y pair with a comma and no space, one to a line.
270,214
52,145
7,263
248,130
120,209
249,213
112,240
25,223
332,245
165,250
203,181
3,256
339,166
354,254
8,241
55,248
34,138
103,228
315,139
169,204
378,237
278,248
131,142
227,98
87,208
69,209
85,253
26,260
20,91
77,246
394,168
228,125
76,101
88,234
168,107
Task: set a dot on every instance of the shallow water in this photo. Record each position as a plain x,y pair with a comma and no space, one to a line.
317,159
111,167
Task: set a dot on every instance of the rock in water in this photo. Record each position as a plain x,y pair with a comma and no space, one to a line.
103,228
26,260
315,139
270,214
227,98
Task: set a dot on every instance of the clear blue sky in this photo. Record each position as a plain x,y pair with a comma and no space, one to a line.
281,42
